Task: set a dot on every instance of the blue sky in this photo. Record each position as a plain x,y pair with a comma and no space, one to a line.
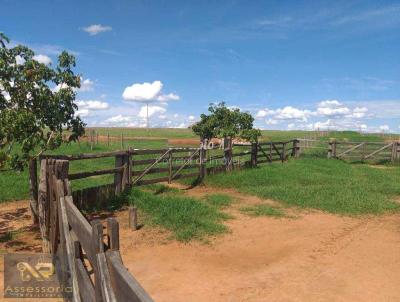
293,64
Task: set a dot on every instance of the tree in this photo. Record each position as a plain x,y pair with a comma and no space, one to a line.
33,116
224,122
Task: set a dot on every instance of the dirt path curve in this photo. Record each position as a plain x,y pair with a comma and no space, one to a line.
313,257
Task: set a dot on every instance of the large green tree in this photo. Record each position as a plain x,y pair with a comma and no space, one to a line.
33,115
224,122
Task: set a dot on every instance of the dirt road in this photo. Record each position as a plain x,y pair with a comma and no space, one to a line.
310,256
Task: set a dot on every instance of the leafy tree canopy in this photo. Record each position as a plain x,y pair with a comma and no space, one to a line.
224,122
32,115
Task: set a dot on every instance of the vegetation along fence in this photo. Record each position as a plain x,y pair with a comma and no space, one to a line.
365,151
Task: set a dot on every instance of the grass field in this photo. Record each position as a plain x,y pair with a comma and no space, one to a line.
329,185
14,185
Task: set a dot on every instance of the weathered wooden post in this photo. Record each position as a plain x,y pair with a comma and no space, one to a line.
202,159
97,138
283,154
97,247
296,148
334,146
108,139
133,218
228,153
113,233
33,188
170,166
122,141
121,178
330,149
254,151
394,152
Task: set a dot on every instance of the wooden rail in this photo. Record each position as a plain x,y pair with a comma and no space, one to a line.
134,167
102,276
363,151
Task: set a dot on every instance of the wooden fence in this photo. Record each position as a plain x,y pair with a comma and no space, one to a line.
365,151
89,264
136,167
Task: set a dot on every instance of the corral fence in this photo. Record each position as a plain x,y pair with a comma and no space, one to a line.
365,151
89,259
137,167
92,265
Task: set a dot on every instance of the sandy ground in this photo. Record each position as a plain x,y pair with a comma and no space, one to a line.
309,256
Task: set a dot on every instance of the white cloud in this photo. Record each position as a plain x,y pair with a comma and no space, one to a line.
271,121
332,108
191,118
82,112
86,85
147,92
264,112
95,29
92,105
384,128
152,110
291,113
168,97
42,59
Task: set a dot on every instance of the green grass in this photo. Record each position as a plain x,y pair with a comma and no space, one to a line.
219,200
187,218
329,185
14,186
263,210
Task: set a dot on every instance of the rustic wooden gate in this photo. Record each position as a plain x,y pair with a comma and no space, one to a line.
363,151
169,166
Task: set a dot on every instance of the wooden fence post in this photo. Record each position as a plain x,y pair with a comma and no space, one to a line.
254,151
394,152
108,139
296,148
122,141
113,233
170,167
283,155
334,145
228,154
121,179
97,247
202,159
33,188
133,218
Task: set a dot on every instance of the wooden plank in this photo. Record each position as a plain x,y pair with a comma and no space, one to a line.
159,170
351,149
137,179
43,204
184,164
85,155
94,173
126,287
107,291
378,151
69,247
148,151
85,283
113,233
81,228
